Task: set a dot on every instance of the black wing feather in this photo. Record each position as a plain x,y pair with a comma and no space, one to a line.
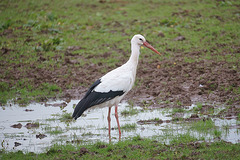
93,98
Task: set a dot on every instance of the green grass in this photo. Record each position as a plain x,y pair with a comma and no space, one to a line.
54,130
182,147
129,112
177,110
204,127
66,117
129,127
198,107
87,134
38,33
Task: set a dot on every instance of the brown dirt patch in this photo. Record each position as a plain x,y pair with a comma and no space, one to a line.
154,121
188,82
32,125
41,136
171,80
19,126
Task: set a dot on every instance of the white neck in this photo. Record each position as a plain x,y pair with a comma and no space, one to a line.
133,60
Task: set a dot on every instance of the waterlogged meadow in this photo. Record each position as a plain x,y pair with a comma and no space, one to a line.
184,104
41,132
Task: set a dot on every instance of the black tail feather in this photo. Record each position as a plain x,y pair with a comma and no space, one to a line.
81,106
79,109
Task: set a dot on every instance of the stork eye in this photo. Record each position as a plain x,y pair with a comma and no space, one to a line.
140,39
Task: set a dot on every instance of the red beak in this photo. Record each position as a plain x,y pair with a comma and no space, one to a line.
146,44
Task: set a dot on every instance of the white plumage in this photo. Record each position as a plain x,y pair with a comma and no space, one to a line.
109,90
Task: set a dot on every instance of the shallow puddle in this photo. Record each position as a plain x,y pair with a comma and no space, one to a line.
38,126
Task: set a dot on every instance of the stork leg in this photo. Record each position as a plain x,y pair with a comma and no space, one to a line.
109,124
116,116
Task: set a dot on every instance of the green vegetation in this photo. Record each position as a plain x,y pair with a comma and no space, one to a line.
198,107
177,110
202,126
129,127
37,38
129,112
54,130
87,134
66,117
182,147
205,127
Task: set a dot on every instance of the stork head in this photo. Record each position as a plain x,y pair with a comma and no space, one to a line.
140,40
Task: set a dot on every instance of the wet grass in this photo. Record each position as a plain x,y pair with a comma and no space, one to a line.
88,134
129,127
177,110
66,117
206,127
185,139
75,128
129,112
51,119
182,147
202,126
200,131
198,107
53,130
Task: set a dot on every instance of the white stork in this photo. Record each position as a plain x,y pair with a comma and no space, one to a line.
109,90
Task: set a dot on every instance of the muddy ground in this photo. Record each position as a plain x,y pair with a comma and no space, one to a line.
171,82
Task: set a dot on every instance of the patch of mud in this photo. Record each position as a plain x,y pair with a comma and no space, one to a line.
154,121
230,113
5,50
19,126
16,144
41,136
31,125
171,80
62,105
186,83
28,110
